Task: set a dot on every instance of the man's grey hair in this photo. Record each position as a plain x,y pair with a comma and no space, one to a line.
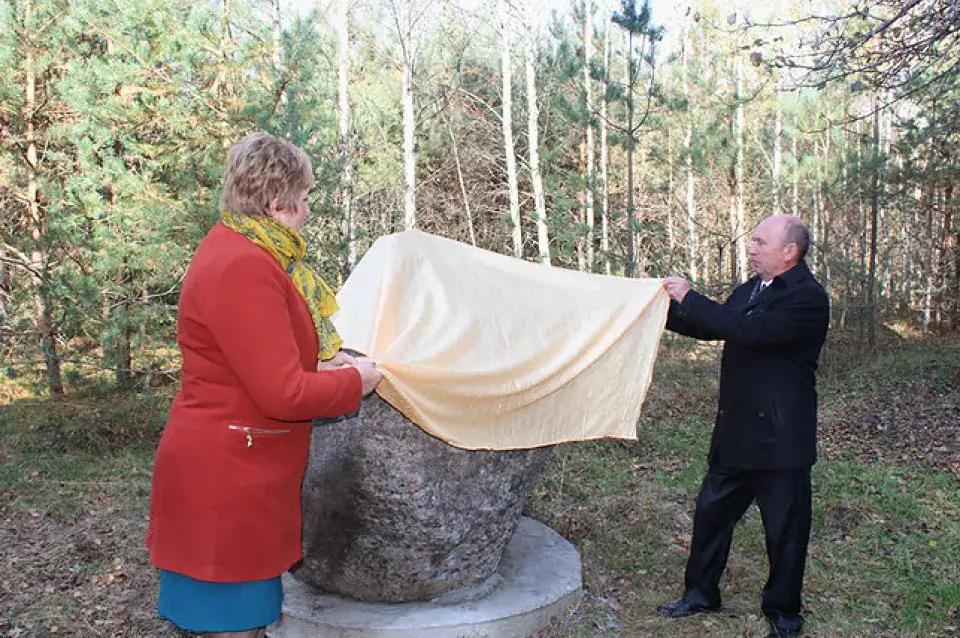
795,232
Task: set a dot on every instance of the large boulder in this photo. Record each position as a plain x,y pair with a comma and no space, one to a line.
392,514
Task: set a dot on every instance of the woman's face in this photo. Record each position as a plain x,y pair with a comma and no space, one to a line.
292,217
302,210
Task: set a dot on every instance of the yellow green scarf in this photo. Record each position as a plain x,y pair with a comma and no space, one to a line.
288,248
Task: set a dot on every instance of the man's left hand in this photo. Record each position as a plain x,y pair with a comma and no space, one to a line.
676,287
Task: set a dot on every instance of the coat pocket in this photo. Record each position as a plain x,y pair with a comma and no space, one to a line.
252,434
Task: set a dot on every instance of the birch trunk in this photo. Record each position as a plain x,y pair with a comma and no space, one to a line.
795,201
815,226
604,185
739,235
409,125
688,161
346,150
631,238
928,265
507,118
588,90
463,185
278,52
874,223
533,137
777,151
943,284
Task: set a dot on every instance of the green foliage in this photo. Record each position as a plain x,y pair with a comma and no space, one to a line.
136,104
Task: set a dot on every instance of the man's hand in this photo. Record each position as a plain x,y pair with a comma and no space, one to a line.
338,360
676,287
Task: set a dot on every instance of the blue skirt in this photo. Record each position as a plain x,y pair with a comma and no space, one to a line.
203,606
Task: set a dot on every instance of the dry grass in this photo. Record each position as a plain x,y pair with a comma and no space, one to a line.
75,475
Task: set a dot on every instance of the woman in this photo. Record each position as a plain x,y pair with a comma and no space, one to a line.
260,360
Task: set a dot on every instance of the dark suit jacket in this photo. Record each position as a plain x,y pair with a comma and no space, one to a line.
767,413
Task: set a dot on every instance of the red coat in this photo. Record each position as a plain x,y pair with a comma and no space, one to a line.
225,504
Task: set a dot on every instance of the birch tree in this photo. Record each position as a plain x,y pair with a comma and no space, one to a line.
346,151
507,120
588,130
688,154
604,183
738,243
533,135
777,143
403,11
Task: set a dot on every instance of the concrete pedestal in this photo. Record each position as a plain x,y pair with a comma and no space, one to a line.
538,578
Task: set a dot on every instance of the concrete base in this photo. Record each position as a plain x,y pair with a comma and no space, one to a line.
540,574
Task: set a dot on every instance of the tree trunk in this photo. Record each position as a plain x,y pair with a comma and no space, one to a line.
886,141
688,162
956,282
409,125
222,87
739,234
4,290
795,201
777,152
827,214
928,264
671,239
533,137
346,147
631,239
604,185
588,128
507,118
943,284
463,185
40,274
815,226
874,223
863,237
278,51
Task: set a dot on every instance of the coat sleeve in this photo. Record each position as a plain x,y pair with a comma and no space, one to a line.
677,322
799,316
249,320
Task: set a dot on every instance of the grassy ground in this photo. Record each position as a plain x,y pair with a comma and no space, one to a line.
75,478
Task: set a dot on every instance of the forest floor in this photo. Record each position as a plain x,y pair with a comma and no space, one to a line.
75,481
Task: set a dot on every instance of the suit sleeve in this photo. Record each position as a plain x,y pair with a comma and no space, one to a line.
251,325
677,322
804,313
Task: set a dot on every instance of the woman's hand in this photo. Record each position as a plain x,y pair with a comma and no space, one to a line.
369,374
338,360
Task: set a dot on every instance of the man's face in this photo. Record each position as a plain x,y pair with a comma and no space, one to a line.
767,252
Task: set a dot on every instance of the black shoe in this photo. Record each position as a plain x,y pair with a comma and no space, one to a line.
780,632
682,608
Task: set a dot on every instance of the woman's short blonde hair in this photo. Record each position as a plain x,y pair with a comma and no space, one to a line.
260,168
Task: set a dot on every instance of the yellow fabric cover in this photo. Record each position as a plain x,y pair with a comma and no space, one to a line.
486,351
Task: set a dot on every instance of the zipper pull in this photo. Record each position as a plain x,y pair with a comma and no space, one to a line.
249,439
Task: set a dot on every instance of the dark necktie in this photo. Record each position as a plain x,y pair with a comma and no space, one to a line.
757,290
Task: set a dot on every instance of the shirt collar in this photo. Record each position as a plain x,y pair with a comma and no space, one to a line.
796,274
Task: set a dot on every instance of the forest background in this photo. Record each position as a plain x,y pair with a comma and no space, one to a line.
614,137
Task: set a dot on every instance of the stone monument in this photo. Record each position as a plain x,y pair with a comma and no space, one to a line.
405,535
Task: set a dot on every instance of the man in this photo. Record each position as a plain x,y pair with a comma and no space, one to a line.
764,442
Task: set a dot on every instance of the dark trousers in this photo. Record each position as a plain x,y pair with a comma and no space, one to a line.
784,500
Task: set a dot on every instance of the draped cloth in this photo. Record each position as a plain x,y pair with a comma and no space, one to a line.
486,351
